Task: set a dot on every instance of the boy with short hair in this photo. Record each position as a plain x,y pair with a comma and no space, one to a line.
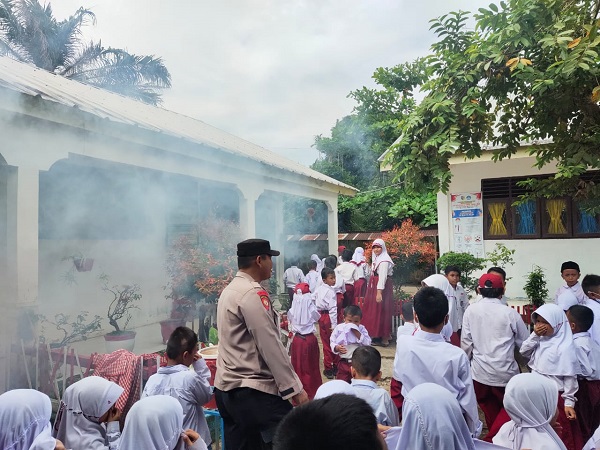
409,326
491,332
570,273
590,285
325,300
366,372
587,406
427,358
312,277
291,277
192,389
346,338
462,300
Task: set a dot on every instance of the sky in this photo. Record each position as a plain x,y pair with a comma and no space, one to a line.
274,72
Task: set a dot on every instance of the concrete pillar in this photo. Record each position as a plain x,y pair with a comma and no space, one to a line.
248,198
332,225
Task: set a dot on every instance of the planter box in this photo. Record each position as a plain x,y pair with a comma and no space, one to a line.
124,340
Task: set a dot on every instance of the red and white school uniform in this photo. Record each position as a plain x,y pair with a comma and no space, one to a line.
291,277
588,394
377,316
576,289
347,271
440,282
325,301
339,288
342,335
360,280
304,350
312,278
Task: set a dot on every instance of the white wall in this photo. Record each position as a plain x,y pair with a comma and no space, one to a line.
547,253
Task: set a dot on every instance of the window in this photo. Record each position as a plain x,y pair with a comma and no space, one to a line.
535,219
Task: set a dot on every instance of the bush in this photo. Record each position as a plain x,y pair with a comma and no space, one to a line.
536,286
466,262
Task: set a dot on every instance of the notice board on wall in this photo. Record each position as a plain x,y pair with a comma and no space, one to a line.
467,223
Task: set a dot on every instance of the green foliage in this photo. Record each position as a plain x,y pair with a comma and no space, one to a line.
501,256
466,262
123,300
72,330
527,72
536,286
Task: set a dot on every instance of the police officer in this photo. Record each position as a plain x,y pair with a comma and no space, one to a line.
255,379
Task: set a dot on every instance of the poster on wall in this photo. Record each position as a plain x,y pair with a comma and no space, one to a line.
467,223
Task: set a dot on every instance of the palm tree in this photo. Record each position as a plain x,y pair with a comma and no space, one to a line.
30,33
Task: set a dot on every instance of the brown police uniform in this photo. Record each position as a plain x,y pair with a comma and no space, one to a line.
254,375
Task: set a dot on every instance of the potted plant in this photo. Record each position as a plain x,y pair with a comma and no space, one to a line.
123,301
77,329
182,309
536,290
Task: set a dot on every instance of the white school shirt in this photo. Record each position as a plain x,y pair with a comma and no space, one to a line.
347,271
303,314
191,388
360,269
407,329
292,276
312,278
462,303
340,285
595,329
379,400
594,442
489,336
325,300
575,289
503,300
384,270
588,355
342,335
428,358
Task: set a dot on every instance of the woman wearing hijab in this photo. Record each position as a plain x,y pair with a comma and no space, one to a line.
25,421
431,420
86,405
552,354
360,283
531,402
450,331
155,423
379,298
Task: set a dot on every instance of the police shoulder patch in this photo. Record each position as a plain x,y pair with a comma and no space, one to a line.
264,298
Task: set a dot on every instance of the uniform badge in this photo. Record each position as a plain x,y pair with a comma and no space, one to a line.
264,298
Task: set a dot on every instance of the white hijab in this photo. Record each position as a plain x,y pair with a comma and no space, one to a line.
83,404
556,354
594,442
300,311
25,421
358,256
439,281
567,299
334,387
530,401
316,259
432,419
383,256
153,423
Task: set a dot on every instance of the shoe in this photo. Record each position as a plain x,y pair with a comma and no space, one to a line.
328,374
335,371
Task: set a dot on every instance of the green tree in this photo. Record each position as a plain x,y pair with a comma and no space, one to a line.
29,32
528,71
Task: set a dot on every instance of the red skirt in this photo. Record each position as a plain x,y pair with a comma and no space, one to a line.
360,287
349,295
304,353
570,434
340,307
377,317
588,407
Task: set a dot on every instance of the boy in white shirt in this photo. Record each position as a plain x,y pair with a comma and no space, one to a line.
312,277
570,273
427,358
462,300
346,338
192,389
491,332
587,406
407,329
325,300
347,271
291,277
591,286
366,372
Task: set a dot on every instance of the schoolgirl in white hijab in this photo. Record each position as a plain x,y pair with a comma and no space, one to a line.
531,402
155,423
432,419
25,421
440,282
85,406
316,259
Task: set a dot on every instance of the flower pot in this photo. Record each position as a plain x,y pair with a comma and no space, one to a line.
120,340
167,327
83,264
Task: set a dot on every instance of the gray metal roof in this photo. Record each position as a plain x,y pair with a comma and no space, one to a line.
30,80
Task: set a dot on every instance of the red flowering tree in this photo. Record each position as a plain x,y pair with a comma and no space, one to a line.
409,248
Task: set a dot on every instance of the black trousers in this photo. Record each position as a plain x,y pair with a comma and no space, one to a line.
250,417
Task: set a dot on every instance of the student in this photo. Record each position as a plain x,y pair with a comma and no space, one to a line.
566,300
552,354
433,419
339,287
427,358
25,421
462,300
587,406
325,301
314,257
332,387
594,442
531,402
407,329
346,338
156,423
312,277
569,272
409,326
337,422
191,388
441,282
502,274
304,350
491,332
341,250
347,271
591,286
291,277
360,283
366,372
85,407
